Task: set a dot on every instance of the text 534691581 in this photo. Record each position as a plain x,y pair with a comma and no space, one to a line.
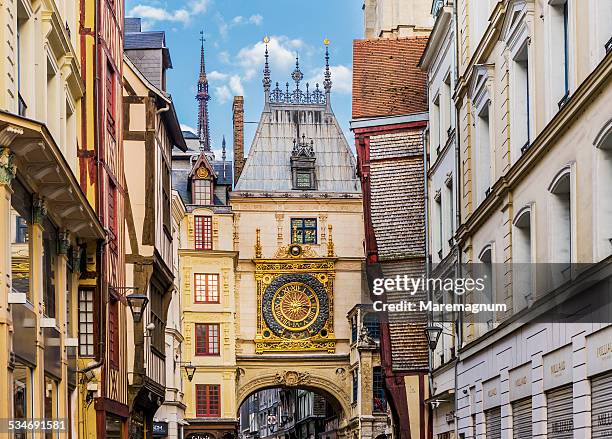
16,425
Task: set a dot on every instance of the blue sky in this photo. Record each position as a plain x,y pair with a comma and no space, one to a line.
234,30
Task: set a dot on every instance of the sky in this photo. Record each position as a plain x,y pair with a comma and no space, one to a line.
234,52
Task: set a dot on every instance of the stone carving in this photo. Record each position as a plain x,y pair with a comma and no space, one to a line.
7,166
291,378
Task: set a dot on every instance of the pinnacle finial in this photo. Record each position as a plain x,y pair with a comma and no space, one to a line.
297,74
266,78
327,82
223,156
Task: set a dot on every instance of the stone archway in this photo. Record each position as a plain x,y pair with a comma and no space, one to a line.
336,391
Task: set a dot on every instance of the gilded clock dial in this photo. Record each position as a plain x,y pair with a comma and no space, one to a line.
295,306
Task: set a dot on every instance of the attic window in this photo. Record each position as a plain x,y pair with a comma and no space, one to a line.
202,187
303,165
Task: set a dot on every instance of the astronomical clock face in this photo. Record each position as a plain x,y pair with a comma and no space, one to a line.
295,294
295,306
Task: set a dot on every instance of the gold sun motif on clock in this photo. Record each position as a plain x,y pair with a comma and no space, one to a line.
295,306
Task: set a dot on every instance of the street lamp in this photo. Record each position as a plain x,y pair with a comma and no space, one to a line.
190,371
137,303
433,335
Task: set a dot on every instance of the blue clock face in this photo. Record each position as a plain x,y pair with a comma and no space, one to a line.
295,306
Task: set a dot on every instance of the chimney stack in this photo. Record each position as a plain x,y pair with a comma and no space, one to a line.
238,120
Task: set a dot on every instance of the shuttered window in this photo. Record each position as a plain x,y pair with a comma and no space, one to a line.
521,418
493,423
601,406
560,409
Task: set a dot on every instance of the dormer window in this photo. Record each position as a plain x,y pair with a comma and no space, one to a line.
303,165
202,187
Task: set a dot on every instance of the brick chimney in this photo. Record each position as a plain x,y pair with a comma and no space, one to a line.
238,119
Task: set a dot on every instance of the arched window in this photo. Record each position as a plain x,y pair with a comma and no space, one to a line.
603,200
484,271
522,259
560,220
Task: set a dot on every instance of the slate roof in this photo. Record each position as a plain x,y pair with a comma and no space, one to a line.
189,135
397,194
144,40
386,78
268,167
407,329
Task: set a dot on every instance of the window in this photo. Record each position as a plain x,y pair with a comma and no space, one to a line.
304,180
49,260
158,333
353,329
483,154
436,129
202,192
520,135
113,246
522,259
86,322
602,199
379,401
21,394
448,108
371,323
355,376
558,51
303,231
439,229
450,230
206,288
206,339
203,232
113,332
51,403
485,271
110,98
21,230
561,225
207,401
166,195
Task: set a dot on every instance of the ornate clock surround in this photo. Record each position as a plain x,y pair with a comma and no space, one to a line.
295,292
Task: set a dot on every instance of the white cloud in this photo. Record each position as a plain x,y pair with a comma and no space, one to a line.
223,94
217,76
256,19
224,57
238,20
341,76
282,56
235,85
151,14
188,128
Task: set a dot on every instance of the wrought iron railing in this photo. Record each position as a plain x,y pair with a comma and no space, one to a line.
297,95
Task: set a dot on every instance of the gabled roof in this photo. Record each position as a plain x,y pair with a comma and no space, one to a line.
268,166
386,78
202,160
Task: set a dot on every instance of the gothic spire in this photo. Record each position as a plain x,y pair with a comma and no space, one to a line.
203,97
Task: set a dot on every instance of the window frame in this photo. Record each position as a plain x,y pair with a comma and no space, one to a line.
203,405
202,232
303,228
206,285
113,331
216,342
197,191
82,321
